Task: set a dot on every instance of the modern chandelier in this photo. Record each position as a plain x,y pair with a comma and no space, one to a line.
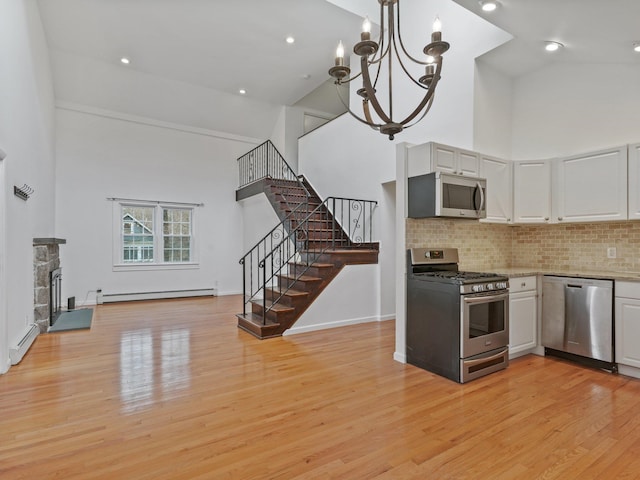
373,55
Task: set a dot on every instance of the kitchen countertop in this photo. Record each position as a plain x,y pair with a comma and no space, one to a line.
528,271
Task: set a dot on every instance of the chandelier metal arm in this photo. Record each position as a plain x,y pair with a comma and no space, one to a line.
424,114
371,93
427,97
404,68
375,126
404,50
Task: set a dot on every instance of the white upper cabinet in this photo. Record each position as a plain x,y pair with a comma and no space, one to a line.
499,188
591,187
435,157
532,191
634,181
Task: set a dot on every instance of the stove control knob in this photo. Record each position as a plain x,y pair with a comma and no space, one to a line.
501,285
478,288
490,286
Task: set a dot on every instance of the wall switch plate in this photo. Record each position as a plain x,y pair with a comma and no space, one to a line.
611,252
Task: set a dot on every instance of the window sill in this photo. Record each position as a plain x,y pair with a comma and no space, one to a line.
138,267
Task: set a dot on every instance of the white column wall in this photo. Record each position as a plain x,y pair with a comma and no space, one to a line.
493,107
26,135
102,155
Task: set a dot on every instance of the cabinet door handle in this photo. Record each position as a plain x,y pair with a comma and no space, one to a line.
560,219
523,284
546,219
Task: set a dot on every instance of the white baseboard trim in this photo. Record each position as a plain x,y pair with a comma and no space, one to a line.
5,366
18,351
229,292
400,357
629,371
325,326
126,297
383,318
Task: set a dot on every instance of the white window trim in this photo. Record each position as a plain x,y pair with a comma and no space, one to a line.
120,266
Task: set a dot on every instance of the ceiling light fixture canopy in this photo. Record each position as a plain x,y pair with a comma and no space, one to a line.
636,47
390,47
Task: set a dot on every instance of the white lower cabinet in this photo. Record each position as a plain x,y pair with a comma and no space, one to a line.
627,325
523,315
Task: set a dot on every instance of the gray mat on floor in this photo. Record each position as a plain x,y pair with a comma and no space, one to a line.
73,320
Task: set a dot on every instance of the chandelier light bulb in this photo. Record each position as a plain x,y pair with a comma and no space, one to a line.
437,25
436,36
340,50
636,47
366,25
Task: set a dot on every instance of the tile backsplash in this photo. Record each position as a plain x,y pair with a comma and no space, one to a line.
580,246
480,245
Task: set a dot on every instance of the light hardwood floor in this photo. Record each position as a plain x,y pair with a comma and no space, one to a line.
173,390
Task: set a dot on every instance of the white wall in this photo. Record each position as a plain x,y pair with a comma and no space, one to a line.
563,109
347,300
493,105
26,135
101,155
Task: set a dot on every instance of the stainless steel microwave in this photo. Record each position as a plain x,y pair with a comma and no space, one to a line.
441,194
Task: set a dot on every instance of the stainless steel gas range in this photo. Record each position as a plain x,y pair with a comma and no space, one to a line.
457,322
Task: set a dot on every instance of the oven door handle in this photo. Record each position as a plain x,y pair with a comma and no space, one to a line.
485,298
477,361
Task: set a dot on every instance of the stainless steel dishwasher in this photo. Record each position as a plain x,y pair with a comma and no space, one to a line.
577,319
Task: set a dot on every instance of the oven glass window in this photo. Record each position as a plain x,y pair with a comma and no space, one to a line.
486,318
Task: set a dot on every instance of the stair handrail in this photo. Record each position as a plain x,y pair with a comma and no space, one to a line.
266,161
291,245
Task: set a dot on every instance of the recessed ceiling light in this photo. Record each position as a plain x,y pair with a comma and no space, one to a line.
242,91
552,46
290,39
125,61
488,5
636,47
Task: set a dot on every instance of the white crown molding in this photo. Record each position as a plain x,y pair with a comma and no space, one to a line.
100,112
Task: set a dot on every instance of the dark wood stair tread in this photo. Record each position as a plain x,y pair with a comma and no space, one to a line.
257,319
303,278
313,265
274,307
288,293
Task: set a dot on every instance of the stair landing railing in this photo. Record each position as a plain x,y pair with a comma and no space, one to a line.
266,162
300,240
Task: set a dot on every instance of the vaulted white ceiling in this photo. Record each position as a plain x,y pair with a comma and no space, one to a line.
228,45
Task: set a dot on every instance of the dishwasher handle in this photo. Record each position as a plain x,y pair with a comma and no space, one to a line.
570,285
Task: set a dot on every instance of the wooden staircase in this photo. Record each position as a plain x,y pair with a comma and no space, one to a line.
323,250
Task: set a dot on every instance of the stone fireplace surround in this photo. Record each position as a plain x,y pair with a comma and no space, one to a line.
46,258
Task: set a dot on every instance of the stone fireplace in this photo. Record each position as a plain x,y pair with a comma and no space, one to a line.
46,259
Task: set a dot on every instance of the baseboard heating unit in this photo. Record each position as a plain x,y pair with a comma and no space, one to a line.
127,297
16,353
